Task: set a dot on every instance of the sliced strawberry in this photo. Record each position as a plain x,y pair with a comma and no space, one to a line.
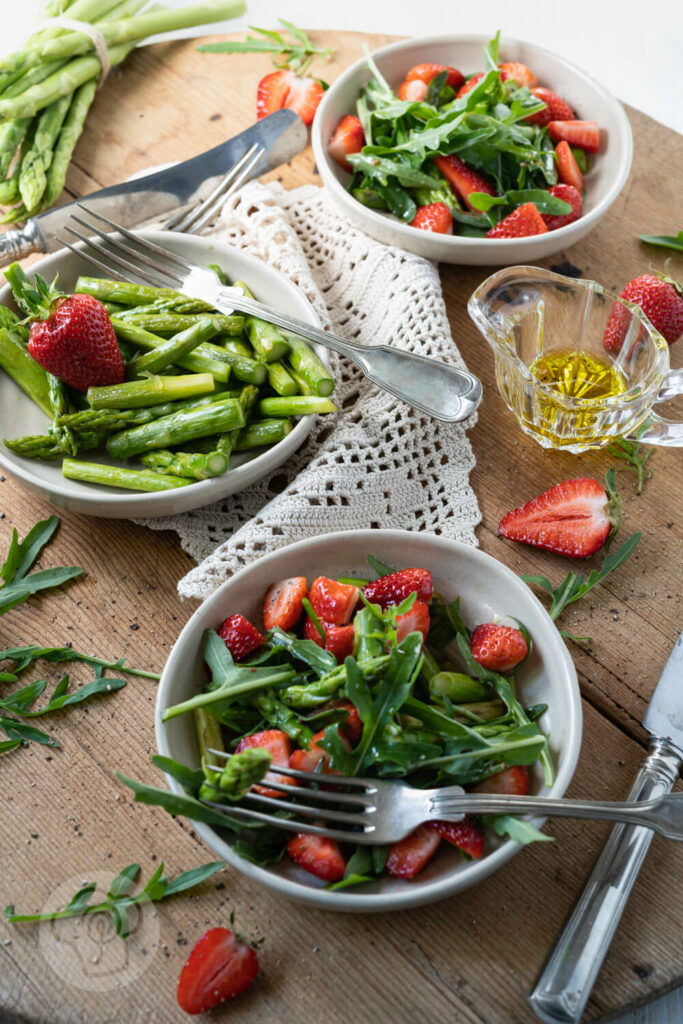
282,604
464,179
426,72
348,138
521,223
352,727
321,857
584,134
567,167
498,648
241,637
220,966
513,781
434,217
279,746
573,518
465,834
397,586
414,621
338,639
285,89
409,856
570,195
556,109
519,73
333,602
470,84
308,760
412,92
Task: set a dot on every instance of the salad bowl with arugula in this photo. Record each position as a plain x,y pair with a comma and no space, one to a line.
471,150
384,653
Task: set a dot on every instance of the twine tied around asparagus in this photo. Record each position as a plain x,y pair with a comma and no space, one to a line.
94,34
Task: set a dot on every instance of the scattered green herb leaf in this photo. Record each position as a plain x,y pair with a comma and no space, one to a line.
665,241
296,55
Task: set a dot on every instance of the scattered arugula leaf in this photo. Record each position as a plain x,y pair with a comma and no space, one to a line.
24,656
18,585
630,452
7,745
665,241
20,701
22,732
296,55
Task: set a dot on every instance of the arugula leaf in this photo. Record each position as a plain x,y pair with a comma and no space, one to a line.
665,241
17,730
189,778
7,745
18,586
630,452
185,806
21,701
307,651
541,198
24,656
380,567
516,828
297,56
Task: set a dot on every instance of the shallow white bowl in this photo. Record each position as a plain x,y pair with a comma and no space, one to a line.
19,416
486,588
587,97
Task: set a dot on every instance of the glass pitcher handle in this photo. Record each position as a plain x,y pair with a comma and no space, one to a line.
660,430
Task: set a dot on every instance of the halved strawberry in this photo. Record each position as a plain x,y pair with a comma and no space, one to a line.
220,966
409,856
333,602
464,179
570,195
465,834
434,217
567,167
519,72
308,760
412,92
498,648
338,639
321,857
573,518
279,746
556,109
425,73
470,84
513,781
348,138
241,637
351,727
282,604
397,586
584,134
285,89
521,223
414,621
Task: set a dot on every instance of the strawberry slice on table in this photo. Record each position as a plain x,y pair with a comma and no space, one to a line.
412,92
397,586
521,223
338,639
241,637
519,73
348,137
285,89
556,109
282,604
513,781
465,834
570,195
584,134
661,300
333,602
279,746
220,966
409,856
567,167
434,217
574,518
321,857
416,620
464,179
426,72
498,648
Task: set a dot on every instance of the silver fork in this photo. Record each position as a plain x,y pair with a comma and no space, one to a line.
432,387
376,811
199,216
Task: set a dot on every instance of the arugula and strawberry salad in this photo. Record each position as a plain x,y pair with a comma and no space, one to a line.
493,155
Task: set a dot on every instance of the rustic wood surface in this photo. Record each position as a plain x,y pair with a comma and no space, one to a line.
64,815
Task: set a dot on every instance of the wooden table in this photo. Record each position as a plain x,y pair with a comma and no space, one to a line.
469,959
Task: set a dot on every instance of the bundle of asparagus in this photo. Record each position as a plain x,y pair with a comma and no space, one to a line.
46,89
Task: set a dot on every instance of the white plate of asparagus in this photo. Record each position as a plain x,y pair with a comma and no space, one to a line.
210,403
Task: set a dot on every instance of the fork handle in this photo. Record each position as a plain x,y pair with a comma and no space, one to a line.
435,388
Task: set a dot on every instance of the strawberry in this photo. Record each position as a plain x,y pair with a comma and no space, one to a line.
397,586
279,746
519,73
469,84
331,601
412,92
567,167
409,856
513,781
285,89
414,621
570,195
338,639
241,637
498,648
584,134
573,518
220,966
463,178
556,109
348,138
282,604
521,223
308,760
352,727
425,73
72,337
434,217
661,300
321,857
464,834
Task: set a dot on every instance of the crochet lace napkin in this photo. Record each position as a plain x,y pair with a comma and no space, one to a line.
375,463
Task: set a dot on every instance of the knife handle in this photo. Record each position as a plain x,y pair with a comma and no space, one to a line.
15,245
565,983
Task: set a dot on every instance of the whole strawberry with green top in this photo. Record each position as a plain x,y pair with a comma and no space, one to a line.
72,337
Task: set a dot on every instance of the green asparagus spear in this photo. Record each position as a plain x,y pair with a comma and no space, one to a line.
193,465
309,367
175,348
247,400
171,323
136,394
9,320
220,274
281,380
238,347
199,361
81,101
110,421
296,405
260,433
241,772
9,189
209,737
250,371
135,295
116,476
36,162
267,342
11,136
303,386
25,371
459,688
177,428
60,407
47,446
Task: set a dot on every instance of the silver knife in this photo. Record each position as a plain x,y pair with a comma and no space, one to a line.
181,186
562,991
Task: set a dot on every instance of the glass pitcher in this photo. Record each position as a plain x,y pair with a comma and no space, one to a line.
552,367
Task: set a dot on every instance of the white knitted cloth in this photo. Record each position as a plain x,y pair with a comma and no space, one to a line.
376,463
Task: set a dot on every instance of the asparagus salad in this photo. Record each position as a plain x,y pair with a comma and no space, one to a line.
148,374
358,677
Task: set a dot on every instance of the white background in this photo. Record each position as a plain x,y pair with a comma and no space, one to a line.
634,47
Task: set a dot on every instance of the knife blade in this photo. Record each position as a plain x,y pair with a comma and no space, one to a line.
180,186
563,988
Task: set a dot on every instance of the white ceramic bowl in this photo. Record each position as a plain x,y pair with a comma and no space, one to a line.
19,416
587,97
486,588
